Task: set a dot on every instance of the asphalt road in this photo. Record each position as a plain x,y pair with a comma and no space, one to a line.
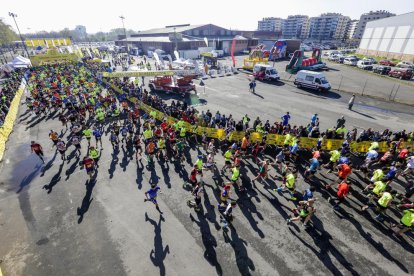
55,222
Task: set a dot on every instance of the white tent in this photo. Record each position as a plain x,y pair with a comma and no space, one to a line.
20,62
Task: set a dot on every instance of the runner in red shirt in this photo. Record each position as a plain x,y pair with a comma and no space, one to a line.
344,170
402,156
89,165
343,189
37,148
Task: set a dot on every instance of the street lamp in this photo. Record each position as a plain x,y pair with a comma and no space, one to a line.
175,39
21,38
126,38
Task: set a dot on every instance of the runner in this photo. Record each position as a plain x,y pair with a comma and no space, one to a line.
406,222
138,147
150,150
88,135
53,135
61,147
37,148
161,149
197,193
263,169
310,172
98,136
344,170
114,140
290,185
227,160
76,141
343,190
151,195
94,154
303,212
89,166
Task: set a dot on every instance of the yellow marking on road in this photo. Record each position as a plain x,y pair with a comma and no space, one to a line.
1,274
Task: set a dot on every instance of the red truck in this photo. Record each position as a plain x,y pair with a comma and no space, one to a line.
167,84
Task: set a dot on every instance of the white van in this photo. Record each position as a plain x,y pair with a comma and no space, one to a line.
265,72
350,61
313,80
365,64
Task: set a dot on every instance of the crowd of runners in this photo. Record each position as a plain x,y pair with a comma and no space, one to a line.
90,111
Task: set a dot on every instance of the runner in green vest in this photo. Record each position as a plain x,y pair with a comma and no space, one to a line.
227,160
94,154
406,222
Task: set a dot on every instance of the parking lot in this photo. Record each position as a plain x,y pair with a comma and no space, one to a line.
352,80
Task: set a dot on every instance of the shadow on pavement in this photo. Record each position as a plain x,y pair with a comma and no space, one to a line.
159,253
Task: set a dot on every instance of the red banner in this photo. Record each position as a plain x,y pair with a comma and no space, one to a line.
233,47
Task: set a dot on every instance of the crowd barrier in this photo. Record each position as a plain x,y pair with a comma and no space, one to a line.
271,139
7,127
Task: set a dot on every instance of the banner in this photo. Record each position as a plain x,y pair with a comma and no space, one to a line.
8,124
48,42
271,139
137,74
233,47
52,58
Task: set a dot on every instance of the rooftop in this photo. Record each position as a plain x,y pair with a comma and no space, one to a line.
159,39
170,29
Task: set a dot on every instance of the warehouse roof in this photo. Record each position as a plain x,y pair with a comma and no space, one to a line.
170,29
398,20
159,39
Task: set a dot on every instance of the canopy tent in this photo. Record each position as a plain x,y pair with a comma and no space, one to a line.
20,62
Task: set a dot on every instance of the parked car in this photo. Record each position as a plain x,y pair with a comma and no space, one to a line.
405,64
341,59
387,62
373,60
333,57
381,69
313,80
364,64
402,73
350,61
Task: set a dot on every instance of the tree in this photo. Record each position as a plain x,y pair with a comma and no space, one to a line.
7,35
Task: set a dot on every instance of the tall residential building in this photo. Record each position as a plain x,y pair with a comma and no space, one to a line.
352,26
271,24
304,32
81,32
328,26
367,17
292,26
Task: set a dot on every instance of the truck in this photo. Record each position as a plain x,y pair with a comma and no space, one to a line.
282,48
265,72
173,84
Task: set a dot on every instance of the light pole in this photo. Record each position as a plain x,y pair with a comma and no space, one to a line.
175,40
21,38
126,38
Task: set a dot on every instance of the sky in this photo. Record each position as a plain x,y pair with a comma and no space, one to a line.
98,16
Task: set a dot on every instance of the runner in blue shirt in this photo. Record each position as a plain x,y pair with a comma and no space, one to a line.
285,119
314,119
343,160
151,195
98,136
314,165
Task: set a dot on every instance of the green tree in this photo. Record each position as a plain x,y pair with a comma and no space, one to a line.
7,35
